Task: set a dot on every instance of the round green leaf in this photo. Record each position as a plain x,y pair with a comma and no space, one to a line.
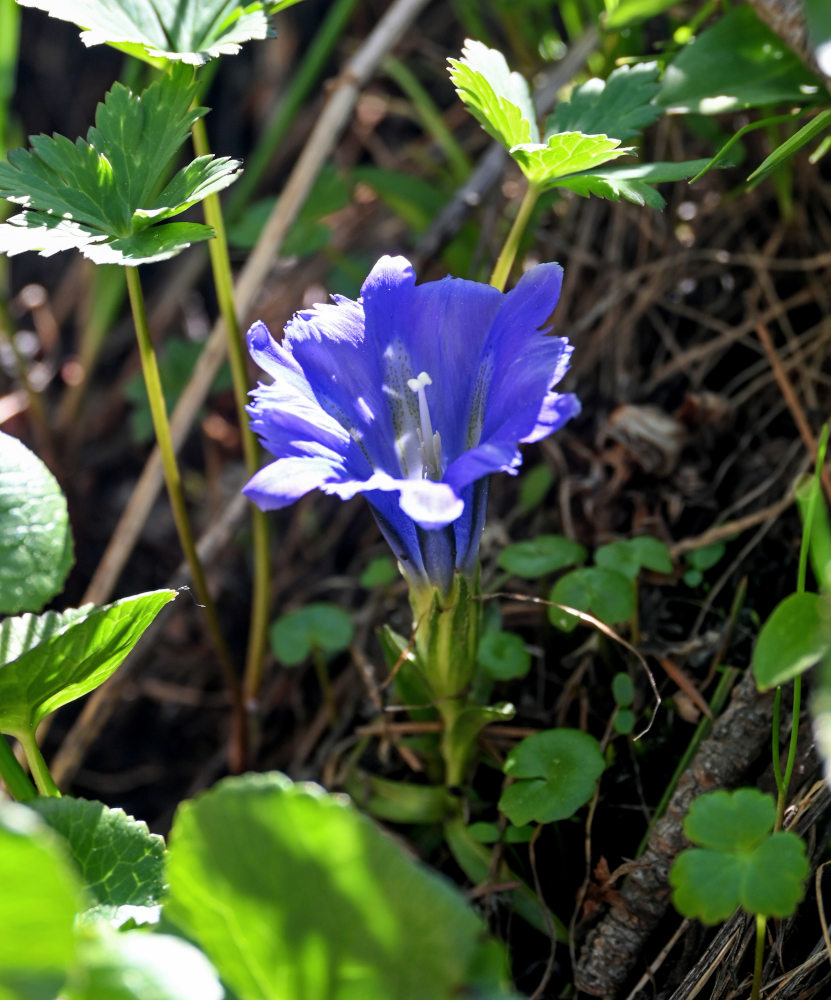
630,556
322,625
795,637
35,541
380,572
292,893
706,885
740,863
535,484
706,557
730,821
624,721
623,690
605,593
41,895
120,861
503,655
557,769
539,556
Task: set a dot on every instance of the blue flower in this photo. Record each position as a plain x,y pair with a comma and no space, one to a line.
412,395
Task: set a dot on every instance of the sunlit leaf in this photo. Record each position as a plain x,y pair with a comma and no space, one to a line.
51,659
619,106
35,541
565,153
795,638
191,30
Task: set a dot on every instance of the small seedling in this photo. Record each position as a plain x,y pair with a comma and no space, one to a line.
739,862
623,691
700,560
540,556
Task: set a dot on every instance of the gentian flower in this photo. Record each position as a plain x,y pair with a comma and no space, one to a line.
412,396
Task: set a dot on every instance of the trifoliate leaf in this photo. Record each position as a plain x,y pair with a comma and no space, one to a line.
535,557
102,196
321,626
619,106
35,541
629,556
192,31
565,153
740,862
499,99
605,593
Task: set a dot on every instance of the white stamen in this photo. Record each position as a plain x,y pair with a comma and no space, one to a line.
430,442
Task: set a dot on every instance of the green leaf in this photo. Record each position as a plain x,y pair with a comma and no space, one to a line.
556,770
194,31
795,637
35,540
623,690
818,17
293,893
631,555
541,555
736,63
499,99
101,196
706,557
619,106
565,153
631,11
380,572
51,659
632,182
608,595
503,655
321,625
740,862
792,145
41,895
118,858
536,483
135,965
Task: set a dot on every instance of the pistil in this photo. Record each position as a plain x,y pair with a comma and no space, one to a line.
430,440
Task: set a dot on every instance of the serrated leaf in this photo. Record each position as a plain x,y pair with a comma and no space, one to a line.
101,196
41,895
193,31
35,540
740,862
619,106
556,770
738,62
51,659
795,638
632,182
327,906
120,861
499,99
565,153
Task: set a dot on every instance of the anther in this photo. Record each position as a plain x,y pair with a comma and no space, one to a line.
430,442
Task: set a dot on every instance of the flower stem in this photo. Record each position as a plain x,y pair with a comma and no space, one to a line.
505,262
173,481
37,765
224,284
14,777
760,954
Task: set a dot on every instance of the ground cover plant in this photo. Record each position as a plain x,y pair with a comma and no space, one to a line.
547,285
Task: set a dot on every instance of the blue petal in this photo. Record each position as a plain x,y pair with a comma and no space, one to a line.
282,482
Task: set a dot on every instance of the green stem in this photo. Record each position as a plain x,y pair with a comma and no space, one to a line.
37,765
325,685
173,481
782,787
760,954
502,270
224,283
14,777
